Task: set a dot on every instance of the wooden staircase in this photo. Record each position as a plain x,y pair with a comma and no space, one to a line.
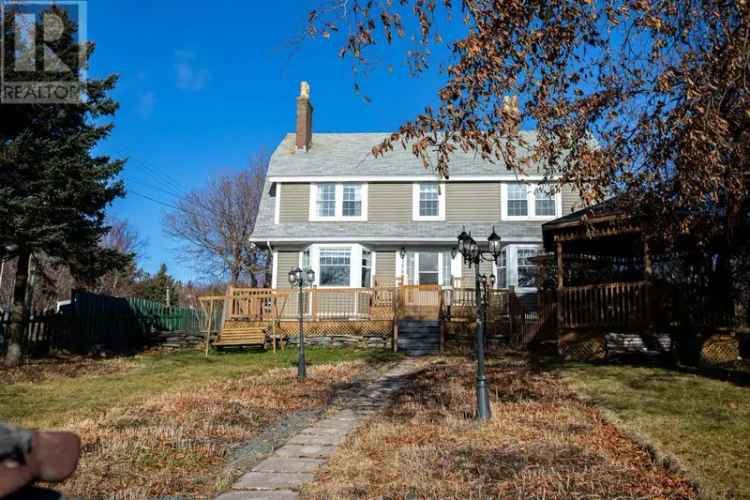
241,334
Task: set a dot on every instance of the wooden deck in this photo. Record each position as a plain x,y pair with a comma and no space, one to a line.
252,317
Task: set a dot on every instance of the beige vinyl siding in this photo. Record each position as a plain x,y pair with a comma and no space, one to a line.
389,202
571,199
472,202
287,260
385,267
295,203
467,273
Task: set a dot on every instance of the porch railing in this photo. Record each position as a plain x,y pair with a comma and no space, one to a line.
318,304
611,305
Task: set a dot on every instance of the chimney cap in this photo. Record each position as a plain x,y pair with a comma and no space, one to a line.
304,89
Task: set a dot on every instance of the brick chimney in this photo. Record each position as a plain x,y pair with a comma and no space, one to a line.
304,118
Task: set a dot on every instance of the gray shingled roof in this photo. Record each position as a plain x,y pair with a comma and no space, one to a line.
351,154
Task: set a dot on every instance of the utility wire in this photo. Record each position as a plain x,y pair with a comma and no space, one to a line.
163,203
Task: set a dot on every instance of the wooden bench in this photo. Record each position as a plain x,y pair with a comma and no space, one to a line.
238,334
631,343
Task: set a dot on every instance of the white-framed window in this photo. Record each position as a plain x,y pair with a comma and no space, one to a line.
528,201
340,265
513,267
335,266
525,269
428,267
325,201
366,268
352,204
343,201
428,201
501,269
545,204
517,200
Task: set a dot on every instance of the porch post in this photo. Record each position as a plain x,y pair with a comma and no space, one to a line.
647,275
560,285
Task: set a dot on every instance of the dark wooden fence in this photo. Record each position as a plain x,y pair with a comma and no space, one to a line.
92,322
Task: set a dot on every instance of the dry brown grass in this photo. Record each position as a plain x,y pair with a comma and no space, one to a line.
176,443
65,368
542,442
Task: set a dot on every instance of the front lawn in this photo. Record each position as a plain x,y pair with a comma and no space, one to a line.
542,442
165,424
703,423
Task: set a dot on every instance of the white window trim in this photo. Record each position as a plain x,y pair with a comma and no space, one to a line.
530,203
355,263
339,215
275,269
415,202
402,268
511,267
277,205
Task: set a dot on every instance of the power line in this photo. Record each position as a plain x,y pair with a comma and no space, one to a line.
168,205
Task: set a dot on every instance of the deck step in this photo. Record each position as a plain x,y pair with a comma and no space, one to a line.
419,338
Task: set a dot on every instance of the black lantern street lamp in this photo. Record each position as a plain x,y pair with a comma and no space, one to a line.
473,255
300,278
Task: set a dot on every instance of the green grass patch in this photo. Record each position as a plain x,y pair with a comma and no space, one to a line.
51,403
702,422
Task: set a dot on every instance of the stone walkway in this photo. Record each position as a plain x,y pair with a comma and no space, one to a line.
280,476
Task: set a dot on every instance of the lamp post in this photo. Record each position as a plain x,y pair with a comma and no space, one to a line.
300,278
473,255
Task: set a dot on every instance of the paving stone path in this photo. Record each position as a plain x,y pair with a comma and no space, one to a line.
280,476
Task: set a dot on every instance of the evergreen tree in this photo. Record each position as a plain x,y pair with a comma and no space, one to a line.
161,286
53,188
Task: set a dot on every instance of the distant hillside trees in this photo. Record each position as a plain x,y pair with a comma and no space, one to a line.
213,226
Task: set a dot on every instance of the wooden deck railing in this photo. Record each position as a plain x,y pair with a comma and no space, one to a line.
612,305
265,304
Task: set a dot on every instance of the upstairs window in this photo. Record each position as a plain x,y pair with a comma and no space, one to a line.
429,205
545,204
338,201
518,200
524,201
429,201
352,200
326,200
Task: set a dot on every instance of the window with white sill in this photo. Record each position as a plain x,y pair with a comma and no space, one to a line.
338,201
514,268
428,201
338,265
526,201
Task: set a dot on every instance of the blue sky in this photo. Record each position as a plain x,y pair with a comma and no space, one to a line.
205,85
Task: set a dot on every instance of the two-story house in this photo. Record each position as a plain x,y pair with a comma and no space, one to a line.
329,204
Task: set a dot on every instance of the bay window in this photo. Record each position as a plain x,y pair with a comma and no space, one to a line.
366,268
513,266
335,266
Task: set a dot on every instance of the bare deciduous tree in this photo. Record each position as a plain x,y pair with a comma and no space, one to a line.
214,224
